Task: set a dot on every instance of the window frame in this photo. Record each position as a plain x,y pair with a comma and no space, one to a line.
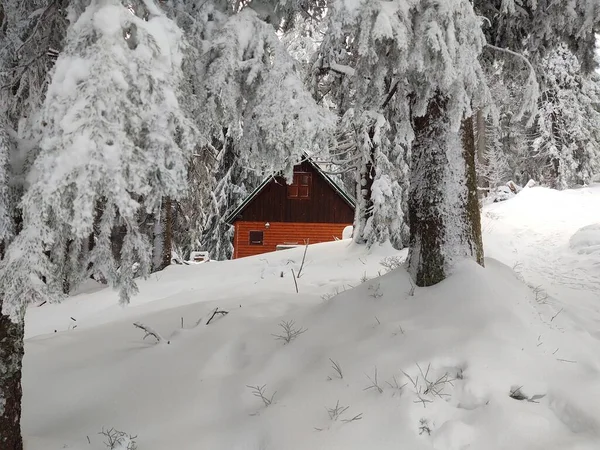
251,241
297,185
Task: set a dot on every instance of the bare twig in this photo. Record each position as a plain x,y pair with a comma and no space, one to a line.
303,259
118,440
355,418
150,332
554,316
215,312
295,282
398,331
260,392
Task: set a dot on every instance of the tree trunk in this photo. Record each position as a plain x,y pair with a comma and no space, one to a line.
366,176
167,233
11,358
443,208
474,239
481,147
163,236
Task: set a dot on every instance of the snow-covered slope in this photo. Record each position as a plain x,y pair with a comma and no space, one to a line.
551,239
479,361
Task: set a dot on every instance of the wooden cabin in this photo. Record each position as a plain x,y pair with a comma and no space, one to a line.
277,215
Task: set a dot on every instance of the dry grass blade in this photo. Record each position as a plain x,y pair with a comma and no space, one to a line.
337,368
374,383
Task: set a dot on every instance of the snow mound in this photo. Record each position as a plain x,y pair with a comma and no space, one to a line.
347,233
470,363
586,240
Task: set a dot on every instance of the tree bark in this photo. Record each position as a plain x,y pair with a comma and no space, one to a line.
366,176
481,143
443,208
474,239
11,359
167,232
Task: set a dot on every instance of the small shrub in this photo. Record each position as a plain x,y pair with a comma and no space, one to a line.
375,290
424,427
118,440
391,263
290,331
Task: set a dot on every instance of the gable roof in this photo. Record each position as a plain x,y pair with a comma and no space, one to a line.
343,194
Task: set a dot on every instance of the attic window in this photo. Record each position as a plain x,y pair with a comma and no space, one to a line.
300,187
256,238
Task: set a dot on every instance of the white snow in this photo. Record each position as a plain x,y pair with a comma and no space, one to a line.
347,232
481,334
586,240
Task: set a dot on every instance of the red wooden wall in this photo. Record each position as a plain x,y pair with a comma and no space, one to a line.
280,233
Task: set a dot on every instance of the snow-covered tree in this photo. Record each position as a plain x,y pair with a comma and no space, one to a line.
416,64
246,96
538,30
31,33
354,73
380,177
113,145
566,146
232,183
6,207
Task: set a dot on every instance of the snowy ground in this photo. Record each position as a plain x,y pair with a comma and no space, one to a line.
425,369
552,239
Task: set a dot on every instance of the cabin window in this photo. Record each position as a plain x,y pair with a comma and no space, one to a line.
300,187
256,238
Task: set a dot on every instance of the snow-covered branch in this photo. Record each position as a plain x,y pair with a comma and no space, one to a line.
150,332
532,89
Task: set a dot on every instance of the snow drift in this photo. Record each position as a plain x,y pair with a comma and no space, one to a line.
472,362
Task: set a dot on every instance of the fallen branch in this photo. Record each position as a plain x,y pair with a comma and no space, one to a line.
150,332
215,312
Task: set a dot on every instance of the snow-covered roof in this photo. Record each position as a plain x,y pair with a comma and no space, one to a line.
343,194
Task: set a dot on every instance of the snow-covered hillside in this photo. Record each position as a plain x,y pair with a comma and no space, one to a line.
552,239
488,359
